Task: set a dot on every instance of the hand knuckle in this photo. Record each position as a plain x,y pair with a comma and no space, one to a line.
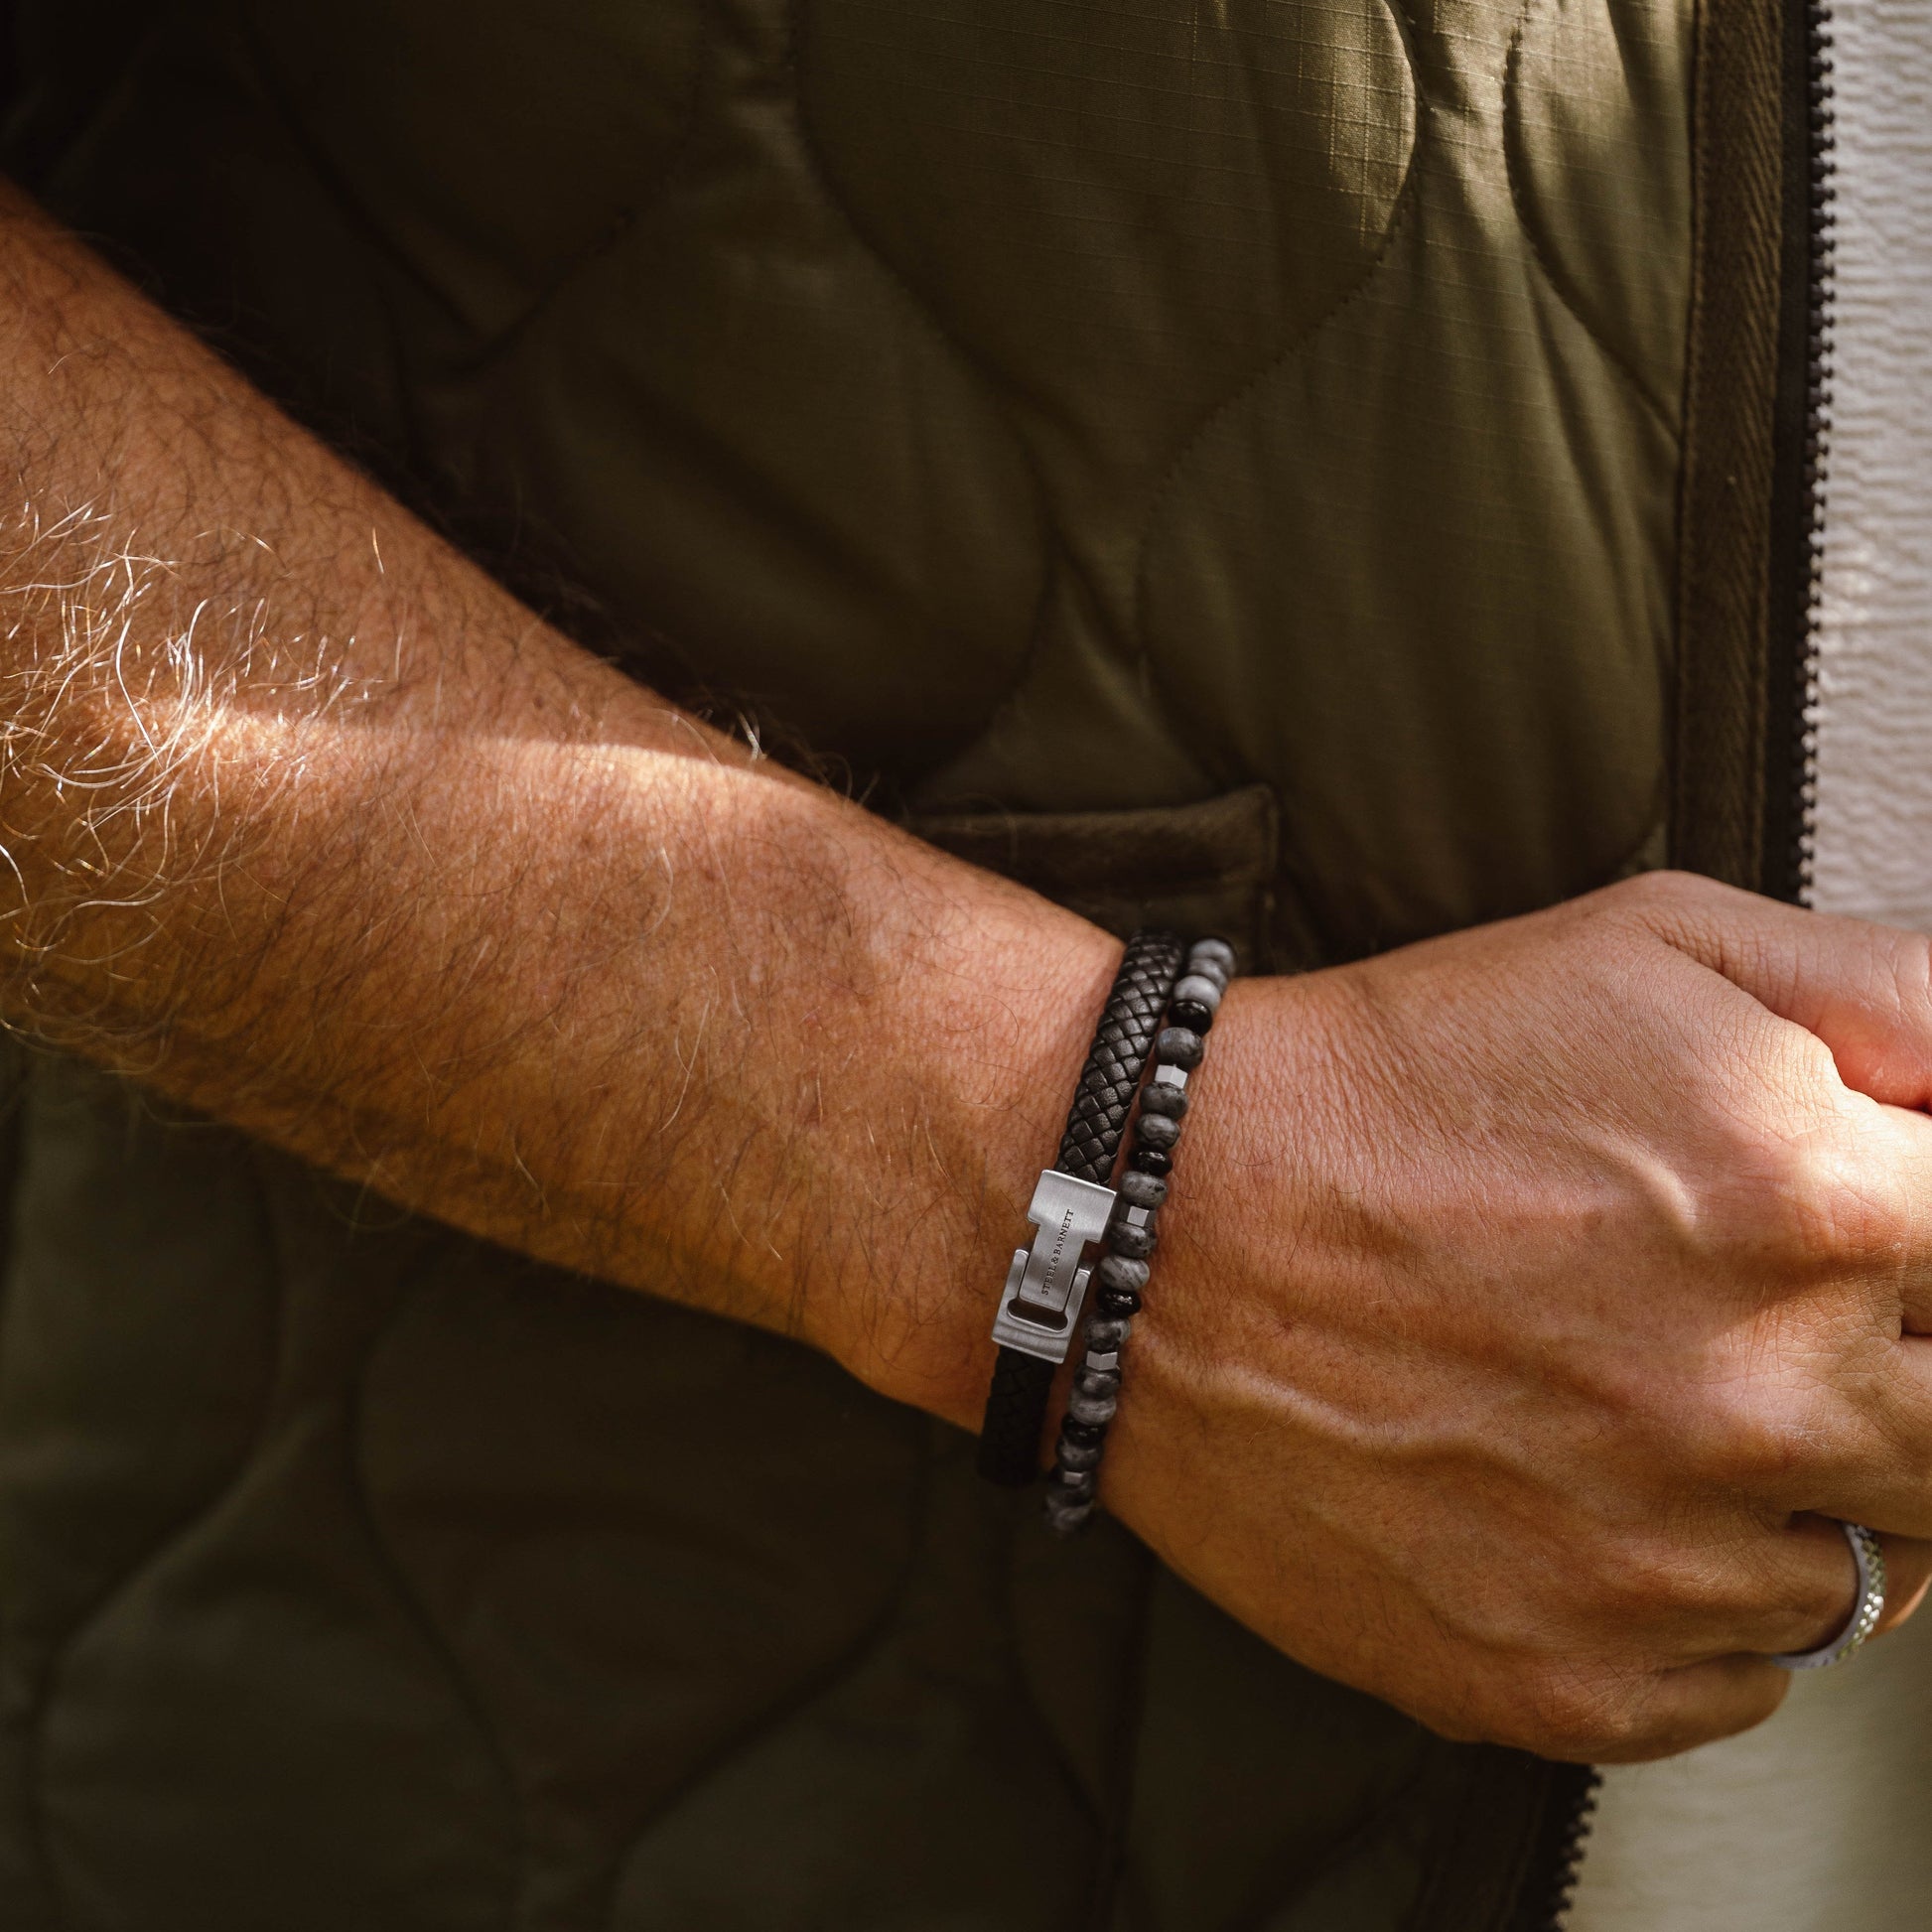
1661,891
1813,1208
1862,1228
1646,1580
1579,1713
1755,1438
1626,1574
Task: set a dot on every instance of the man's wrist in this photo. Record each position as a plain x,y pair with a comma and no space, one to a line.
996,1045
1236,1260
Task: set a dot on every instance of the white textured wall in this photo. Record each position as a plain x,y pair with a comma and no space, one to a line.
1873,852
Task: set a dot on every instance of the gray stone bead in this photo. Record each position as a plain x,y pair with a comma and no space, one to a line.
1218,950
1202,990
1142,1189
1096,1381
1122,1271
1066,1518
1096,1408
1158,1130
1079,1455
1077,1485
1108,1330
1134,1243
1177,1046
1163,1099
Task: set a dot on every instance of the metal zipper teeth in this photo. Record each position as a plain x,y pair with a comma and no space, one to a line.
1822,240
1573,1811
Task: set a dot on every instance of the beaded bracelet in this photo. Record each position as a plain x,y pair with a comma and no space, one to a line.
1123,1271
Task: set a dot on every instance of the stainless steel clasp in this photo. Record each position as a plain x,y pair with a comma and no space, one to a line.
1040,1302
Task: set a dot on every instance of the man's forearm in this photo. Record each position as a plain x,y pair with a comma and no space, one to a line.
312,826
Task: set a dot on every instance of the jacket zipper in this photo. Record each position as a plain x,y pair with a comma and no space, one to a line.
1819,232
1559,1852
1571,1799
1802,450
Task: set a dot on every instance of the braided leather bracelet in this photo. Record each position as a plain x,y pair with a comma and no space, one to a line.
1040,1302
1130,1236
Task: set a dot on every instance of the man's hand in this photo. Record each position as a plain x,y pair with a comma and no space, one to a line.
1530,1299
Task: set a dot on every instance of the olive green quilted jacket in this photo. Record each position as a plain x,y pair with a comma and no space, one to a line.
1302,467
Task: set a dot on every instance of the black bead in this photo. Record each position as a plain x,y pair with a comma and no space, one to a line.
1116,1300
1088,1434
1191,1015
1156,1161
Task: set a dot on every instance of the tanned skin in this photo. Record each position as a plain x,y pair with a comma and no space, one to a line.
1531,1296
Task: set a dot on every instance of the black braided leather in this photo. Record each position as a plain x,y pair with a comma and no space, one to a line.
1016,1405
1016,1418
1121,1044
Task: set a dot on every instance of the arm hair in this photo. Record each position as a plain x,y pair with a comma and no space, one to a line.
307,824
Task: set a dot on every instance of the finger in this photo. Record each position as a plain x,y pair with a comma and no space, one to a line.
1867,1321
1909,1568
1894,1188
1883,1473
1820,1596
1696,1632
1865,989
1693,1704
1696,1703
1768,1589
1771,1591
1799,1591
